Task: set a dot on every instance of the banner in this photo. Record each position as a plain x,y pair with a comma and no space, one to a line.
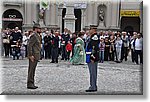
130,13
44,4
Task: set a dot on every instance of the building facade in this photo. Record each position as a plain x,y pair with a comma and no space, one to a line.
76,15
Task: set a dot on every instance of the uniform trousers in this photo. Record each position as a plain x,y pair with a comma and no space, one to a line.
93,75
31,73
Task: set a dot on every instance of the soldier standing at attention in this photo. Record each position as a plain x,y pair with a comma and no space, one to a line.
92,58
34,48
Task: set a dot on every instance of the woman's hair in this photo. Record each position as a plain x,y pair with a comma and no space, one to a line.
80,34
30,31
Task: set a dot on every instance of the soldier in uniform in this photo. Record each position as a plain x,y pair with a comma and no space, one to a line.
34,48
92,58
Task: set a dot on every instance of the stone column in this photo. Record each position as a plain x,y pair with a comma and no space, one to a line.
109,15
115,16
34,14
89,15
53,13
141,17
47,17
1,9
27,15
60,18
69,19
1,52
93,9
82,19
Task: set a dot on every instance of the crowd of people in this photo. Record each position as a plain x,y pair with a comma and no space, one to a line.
113,46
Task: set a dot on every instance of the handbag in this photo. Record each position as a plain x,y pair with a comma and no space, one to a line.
6,41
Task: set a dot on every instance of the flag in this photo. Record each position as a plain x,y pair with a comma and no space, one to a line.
44,4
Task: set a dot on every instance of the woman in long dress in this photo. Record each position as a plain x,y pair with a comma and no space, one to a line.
79,51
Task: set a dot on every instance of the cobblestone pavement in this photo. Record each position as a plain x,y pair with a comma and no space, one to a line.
64,78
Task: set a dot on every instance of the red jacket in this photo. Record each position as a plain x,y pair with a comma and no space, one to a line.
69,47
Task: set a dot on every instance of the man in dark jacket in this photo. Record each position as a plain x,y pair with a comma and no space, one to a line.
16,36
55,45
47,45
33,48
15,40
65,38
92,58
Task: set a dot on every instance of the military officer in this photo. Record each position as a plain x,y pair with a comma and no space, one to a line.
34,48
92,58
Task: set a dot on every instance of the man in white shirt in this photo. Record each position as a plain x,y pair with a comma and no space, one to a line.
139,49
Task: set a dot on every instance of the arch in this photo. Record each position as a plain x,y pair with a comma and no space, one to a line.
12,12
130,24
12,18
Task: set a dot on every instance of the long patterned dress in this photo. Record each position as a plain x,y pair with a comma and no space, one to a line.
79,56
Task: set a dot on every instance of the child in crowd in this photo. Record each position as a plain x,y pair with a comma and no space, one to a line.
68,49
22,51
16,50
102,49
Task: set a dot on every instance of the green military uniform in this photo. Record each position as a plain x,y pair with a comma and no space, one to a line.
34,49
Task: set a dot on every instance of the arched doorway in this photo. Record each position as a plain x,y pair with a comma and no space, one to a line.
129,29
12,18
130,24
77,13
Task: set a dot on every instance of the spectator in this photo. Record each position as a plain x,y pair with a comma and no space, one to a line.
16,40
47,45
112,48
118,46
138,49
125,46
55,45
6,42
25,41
23,51
107,49
73,42
65,38
102,49
68,49
132,42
